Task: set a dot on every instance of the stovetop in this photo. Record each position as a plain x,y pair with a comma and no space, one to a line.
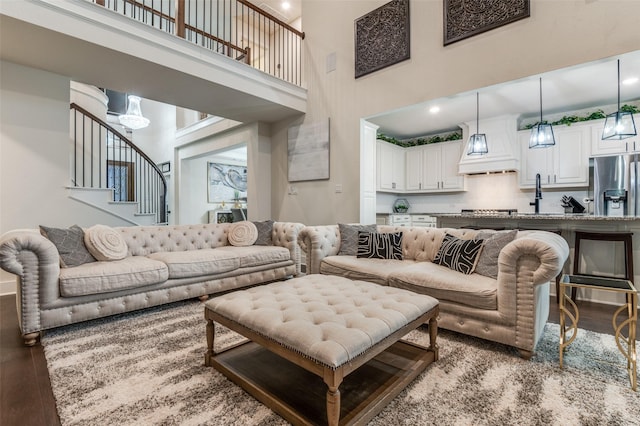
489,212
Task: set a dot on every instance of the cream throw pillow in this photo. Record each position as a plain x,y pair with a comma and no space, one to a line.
242,234
105,243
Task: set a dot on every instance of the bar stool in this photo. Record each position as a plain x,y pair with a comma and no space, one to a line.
624,237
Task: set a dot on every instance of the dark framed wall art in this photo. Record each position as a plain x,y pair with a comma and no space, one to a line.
466,18
382,37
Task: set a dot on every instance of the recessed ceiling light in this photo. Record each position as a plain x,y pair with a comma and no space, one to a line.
286,5
630,80
434,109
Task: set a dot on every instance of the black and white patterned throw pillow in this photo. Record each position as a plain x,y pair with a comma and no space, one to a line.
459,255
380,246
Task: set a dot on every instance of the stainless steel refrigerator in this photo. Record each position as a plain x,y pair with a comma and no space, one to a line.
614,185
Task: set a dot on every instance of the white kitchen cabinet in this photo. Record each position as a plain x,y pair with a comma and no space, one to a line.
434,168
413,170
423,221
391,167
399,220
611,146
566,164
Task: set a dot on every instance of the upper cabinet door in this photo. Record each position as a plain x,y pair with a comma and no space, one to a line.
450,159
398,168
385,166
566,164
413,162
571,156
431,166
390,162
532,162
611,147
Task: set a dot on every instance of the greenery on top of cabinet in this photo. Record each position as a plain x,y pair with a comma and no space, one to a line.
596,115
454,136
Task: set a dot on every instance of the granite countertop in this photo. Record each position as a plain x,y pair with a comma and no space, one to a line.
533,216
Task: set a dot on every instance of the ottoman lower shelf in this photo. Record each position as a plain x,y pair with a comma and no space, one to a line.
299,396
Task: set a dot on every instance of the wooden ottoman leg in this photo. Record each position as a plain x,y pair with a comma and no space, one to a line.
433,335
333,406
210,339
333,378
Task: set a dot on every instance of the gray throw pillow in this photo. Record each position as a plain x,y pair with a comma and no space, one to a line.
70,245
349,237
265,229
494,242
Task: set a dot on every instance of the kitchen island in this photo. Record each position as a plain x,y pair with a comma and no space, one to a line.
601,256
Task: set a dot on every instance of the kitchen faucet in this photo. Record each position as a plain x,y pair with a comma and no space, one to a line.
536,203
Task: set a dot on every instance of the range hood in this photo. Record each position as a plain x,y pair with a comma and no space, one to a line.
502,142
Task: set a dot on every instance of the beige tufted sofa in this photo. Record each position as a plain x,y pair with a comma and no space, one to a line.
164,264
511,309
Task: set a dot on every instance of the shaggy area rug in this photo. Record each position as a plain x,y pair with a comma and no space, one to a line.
147,367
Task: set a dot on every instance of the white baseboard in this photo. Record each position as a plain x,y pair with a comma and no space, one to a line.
7,287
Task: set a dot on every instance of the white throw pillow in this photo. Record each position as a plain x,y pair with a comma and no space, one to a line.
105,243
242,234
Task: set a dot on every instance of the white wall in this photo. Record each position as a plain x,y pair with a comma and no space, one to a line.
558,34
191,153
194,177
34,155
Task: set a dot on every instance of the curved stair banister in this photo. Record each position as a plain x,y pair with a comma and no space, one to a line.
102,157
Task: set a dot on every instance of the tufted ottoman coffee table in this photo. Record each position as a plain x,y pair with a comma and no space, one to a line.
323,349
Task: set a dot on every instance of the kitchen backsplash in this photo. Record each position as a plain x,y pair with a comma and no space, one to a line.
494,191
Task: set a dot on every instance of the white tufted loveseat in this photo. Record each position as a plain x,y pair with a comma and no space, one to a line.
511,309
164,264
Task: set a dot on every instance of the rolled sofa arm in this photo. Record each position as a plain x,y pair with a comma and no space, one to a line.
285,234
548,250
319,242
524,265
35,260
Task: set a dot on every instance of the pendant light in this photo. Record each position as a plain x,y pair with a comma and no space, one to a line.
133,119
620,124
478,141
542,133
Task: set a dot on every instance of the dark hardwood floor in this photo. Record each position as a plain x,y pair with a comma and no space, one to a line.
25,390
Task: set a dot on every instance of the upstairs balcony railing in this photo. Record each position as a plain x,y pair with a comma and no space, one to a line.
235,28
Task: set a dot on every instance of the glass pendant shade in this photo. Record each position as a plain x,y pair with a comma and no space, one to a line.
620,124
478,141
542,136
542,133
133,119
478,144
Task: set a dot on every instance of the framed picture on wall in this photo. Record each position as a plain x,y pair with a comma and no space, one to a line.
226,182
165,167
